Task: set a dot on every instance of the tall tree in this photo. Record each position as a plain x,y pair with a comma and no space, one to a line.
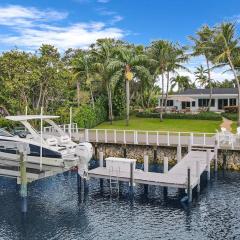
202,46
181,83
225,49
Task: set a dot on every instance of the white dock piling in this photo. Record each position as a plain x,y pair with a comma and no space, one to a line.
101,165
198,175
101,159
208,164
23,189
145,160
215,159
131,184
189,189
179,153
165,164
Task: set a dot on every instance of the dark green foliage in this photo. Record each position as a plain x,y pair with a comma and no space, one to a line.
4,123
199,116
87,117
230,116
119,96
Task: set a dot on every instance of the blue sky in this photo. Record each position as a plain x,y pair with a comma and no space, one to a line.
27,24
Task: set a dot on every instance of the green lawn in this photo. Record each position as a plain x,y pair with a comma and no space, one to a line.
153,124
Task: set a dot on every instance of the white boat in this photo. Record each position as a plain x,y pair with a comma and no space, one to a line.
55,149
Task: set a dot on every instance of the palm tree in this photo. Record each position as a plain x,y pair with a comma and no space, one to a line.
201,76
103,56
175,60
202,46
158,52
81,66
225,49
130,61
181,82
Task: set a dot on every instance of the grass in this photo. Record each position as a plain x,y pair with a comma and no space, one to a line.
152,124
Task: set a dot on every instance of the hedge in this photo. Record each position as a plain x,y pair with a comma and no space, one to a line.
4,123
230,116
199,116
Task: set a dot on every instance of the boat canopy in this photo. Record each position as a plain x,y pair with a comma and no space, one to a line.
30,117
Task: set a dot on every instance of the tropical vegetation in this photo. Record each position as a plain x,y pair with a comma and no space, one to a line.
113,78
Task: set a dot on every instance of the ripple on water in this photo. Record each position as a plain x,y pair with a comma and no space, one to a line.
55,213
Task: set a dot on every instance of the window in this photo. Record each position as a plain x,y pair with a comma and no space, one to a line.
232,102
203,102
193,104
170,103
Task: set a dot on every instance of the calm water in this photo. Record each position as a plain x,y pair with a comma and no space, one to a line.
55,212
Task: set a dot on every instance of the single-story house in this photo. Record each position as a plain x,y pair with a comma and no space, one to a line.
197,99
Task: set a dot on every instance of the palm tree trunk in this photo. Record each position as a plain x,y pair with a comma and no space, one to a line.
161,107
210,84
127,102
110,112
166,99
78,93
238,86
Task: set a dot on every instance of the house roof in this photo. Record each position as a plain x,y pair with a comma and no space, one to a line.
207,91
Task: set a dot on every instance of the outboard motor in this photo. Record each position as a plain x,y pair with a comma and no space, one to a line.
84,151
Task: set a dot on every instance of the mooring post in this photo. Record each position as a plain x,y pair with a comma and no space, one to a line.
131,184
145,160
165,164
165,170
125,152
198,175
189,189
179,153
23,174
208,164
215,159
101,165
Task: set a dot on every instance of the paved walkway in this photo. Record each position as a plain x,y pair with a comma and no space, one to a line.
227,124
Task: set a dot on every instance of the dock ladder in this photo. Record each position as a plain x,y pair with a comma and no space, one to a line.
114,181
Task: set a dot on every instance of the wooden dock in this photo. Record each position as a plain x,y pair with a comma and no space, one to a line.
177,177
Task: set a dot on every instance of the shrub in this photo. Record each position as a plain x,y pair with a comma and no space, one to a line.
87,117
231,116
231,109
199,116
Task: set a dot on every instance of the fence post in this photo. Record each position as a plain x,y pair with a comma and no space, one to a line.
168,139
124,136
157,138
115,136
96,135
189,189
179,138
191,139
105,135
147,143
165,165
136,132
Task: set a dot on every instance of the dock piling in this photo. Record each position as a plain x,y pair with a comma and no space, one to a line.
131,184
101,165
198,176
208,164
165,164
189,189
165,170
23,188
145,160
179,153
215,159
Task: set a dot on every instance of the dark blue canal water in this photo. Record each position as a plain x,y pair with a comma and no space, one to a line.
56,212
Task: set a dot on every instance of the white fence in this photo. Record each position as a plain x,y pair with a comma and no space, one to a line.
140,137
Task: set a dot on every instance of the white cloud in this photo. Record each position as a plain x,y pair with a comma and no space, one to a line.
30,27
